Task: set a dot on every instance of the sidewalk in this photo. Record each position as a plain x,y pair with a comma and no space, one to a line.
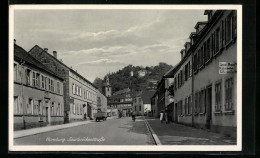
176,134
32,131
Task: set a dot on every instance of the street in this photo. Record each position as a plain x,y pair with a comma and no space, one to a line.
121,131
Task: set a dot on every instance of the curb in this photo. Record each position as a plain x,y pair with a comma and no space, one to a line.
155,137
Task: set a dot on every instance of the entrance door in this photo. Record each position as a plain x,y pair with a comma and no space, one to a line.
209,106
89,111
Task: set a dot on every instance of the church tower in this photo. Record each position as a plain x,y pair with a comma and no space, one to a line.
107,89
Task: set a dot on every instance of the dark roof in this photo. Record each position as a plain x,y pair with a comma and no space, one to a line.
206,12
146,96
199,23
192,34
36,46
20,53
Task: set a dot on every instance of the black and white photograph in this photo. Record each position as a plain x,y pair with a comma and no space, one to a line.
125,78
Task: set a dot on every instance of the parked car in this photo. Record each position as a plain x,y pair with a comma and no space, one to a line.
100,116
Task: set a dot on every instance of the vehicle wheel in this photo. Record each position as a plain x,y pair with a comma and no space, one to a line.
96,120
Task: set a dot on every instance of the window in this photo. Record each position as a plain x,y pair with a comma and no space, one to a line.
186,106
202,101
28,77
181,78
229,29
175,83
15,72
229,94
52,109
199,58
139,99
190,69
189,105
33,79
37,83
35,108
178,80
140,108
79,91
218,40
195,60
73,88
196,107
58,87
213,43
74,108
208,54
51,85
29,106
223,33
186,70
43,82
58,110
16,105
180,107
40,107
218,97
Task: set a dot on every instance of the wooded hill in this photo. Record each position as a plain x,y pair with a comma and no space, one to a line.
123,79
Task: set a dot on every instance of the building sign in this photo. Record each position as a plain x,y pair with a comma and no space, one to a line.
227,67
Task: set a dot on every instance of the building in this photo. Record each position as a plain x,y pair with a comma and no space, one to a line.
80,95
142,73
205,78
154,105
107,89
101,102
142,102
38,93
122,102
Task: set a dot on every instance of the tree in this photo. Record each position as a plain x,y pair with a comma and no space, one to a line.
98,82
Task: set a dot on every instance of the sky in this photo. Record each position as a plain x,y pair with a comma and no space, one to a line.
96,42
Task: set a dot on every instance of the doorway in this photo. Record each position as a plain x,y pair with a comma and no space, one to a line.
89,111
209,106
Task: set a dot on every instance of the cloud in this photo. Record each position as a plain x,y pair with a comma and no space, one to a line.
102,62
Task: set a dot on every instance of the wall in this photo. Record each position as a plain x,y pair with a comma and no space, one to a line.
183,92
224,122
40,99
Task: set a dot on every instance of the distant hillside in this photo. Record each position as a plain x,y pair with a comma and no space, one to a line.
122,78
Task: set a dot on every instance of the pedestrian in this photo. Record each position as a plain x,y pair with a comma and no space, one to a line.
133,115
161,116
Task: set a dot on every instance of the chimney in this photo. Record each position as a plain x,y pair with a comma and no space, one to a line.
55,54
45,49
14,41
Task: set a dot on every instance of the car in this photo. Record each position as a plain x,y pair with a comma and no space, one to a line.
100,116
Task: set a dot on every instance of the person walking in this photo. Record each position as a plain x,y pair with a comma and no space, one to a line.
161,116
133,116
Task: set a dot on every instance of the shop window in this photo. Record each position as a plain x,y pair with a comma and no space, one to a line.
218,97
229,88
